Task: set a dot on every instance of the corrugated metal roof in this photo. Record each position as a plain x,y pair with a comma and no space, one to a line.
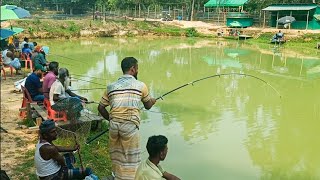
234,3
289,7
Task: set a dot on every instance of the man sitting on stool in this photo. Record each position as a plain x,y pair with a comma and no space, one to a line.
49,163
33,84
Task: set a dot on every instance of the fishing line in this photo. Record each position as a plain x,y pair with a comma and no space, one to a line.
77,60
66,64
88,81
78,75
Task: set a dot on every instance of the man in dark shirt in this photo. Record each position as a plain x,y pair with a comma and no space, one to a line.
33,83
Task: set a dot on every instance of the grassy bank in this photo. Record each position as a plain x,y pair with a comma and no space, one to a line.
305,43
47,28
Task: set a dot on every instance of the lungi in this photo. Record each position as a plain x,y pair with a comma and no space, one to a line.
124,148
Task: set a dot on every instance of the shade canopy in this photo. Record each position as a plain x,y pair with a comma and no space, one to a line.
5,33
290,7
225,3
13,12
16,30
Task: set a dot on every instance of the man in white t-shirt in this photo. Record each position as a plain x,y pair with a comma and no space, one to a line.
49,163
61,97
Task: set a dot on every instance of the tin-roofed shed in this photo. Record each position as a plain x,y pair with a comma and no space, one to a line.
306,15
243,19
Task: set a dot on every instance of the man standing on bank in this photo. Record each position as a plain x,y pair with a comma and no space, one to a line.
124,97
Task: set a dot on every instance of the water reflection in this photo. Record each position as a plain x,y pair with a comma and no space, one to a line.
232,127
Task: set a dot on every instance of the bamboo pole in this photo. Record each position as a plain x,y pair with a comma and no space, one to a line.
139,10
307,20
155,11
277,19
264,19
290,23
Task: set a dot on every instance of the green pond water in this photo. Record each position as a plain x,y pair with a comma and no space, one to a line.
232,127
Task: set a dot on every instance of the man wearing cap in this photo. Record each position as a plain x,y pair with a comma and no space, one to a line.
33,84
49,163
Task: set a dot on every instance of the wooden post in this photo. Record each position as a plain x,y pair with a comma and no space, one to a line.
155,11
148,11
290,23
93,12
135,11
182,13
264,19
101,10
139,10
307,20
104,13
192,10
174,13
277,19
29,113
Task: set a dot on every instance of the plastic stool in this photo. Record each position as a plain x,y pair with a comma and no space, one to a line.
26,57
52,114
4,71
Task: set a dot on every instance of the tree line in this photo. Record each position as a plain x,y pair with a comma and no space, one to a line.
83,6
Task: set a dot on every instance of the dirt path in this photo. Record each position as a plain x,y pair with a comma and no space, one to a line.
16,142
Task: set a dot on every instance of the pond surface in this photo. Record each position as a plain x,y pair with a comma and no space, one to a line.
232,127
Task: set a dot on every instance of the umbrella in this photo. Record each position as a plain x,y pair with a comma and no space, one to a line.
13,12
5,33
286,20
16,30
235,24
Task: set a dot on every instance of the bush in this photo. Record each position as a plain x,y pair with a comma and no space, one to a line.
191,32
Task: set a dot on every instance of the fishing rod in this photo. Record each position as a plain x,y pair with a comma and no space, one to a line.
192,83
76,141
216,75
77,60
95,137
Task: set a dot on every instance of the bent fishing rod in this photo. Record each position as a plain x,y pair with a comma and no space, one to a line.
216,75
192,83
